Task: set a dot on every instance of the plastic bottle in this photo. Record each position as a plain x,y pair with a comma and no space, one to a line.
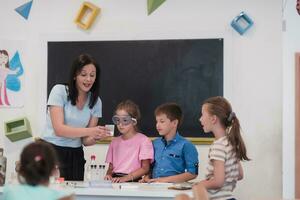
2,167
90,173
55,177
94,173
103,172
98,173
90,169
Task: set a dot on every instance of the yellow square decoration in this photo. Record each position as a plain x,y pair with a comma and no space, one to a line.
86,15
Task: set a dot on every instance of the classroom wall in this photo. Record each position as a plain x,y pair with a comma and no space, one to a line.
252,71
291,45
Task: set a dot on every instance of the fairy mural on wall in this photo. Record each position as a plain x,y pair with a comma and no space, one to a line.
10,83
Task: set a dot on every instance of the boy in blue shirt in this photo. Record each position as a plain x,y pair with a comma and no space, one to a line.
175,158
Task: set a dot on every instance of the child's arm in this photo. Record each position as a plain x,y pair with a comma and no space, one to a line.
146,178
179,178
218,178
136,174
108,175
241,172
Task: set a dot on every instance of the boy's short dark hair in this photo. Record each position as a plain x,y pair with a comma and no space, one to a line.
172,110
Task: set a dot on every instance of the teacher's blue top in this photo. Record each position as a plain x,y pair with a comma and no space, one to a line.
73,116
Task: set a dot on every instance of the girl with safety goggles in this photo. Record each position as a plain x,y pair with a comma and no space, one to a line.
130,154
124,120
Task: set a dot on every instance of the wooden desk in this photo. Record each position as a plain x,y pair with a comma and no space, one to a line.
138,191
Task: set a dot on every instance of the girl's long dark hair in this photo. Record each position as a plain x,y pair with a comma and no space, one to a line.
221,108
78,64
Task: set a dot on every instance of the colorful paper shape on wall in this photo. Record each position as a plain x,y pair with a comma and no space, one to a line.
153,5
12,80
24,10
241,23
86,15
17,129
10,83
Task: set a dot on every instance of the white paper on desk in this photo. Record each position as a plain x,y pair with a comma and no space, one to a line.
156,185
101,184
181,186
82,185
128,186
76,184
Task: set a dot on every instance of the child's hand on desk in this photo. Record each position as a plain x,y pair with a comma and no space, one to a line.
119,180
144,179
108,177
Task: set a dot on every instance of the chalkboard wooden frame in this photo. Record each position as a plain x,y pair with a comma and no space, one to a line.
187,70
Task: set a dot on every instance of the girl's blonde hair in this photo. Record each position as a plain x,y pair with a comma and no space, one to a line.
221,108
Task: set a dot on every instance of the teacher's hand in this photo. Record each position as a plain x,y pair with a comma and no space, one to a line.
99,132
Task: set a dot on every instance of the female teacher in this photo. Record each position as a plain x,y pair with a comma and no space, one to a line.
72,117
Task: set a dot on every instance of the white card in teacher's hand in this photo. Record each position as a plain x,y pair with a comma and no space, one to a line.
111,128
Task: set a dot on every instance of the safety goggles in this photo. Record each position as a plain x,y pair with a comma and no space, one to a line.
124,120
